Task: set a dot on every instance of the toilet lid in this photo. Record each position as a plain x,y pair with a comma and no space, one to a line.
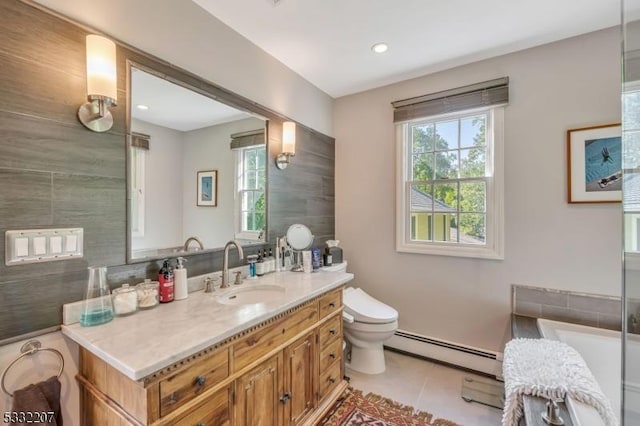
365,308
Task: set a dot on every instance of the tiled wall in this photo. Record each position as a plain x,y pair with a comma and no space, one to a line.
577,308
55,173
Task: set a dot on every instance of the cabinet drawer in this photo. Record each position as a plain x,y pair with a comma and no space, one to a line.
330,354
214,411
191,382
264,340
330,379
330,331
330,303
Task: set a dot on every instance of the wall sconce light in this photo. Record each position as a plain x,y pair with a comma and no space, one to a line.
288,144
102,88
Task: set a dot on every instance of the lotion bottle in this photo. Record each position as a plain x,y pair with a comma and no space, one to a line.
180,280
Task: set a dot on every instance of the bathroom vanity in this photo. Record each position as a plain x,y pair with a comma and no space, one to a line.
207,361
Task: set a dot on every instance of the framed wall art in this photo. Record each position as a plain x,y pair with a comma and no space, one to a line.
594,163
207,188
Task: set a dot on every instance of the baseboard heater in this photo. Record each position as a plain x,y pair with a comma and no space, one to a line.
451,353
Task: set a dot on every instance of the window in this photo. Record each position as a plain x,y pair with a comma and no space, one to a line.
449,184
631,168
251,203
138,154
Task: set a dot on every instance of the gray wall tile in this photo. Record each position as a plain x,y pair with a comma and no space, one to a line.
528,309
570,315
25,198
542,296
612,322
603,305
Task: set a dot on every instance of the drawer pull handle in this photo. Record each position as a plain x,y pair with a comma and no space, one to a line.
201,424
172,399
332,355
332,331
284,398
331,380
332,305
200,380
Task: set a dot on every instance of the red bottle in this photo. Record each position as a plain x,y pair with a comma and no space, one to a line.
165,278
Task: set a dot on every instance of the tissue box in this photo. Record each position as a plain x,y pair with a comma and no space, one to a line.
336,254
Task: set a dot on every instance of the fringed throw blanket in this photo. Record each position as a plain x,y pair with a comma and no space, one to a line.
549,369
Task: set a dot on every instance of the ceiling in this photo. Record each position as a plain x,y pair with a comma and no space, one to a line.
175,107
328,42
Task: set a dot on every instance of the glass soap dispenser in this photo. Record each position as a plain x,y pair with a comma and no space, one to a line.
98,307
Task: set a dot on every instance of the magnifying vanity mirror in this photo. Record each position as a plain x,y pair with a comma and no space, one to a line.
196,170
299,238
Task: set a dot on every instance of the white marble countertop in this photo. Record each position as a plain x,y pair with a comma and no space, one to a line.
149,340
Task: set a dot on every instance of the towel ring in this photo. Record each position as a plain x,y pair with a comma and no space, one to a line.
30,348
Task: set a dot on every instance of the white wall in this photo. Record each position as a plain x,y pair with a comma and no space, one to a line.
163,186
182,33
549,243
208,149
41,366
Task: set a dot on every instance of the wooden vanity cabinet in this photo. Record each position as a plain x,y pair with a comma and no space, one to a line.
286,370
257,394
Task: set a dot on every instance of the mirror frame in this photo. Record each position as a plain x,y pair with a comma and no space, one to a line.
191,82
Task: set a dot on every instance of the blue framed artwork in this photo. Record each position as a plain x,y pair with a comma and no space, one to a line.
207,188
594,160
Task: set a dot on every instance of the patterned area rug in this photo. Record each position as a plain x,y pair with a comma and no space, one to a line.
354,409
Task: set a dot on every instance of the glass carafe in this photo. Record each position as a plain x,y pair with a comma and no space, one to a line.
98,307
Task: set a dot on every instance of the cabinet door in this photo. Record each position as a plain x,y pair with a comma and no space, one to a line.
299,379
258,394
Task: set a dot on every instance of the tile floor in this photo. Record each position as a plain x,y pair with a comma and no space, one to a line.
427,386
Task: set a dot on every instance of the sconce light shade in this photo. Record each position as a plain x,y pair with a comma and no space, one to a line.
102,88
289,137
101,67
288,144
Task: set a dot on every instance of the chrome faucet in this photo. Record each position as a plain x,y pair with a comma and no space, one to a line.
225,261
196,239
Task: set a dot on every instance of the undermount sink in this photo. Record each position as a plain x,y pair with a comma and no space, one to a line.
251,294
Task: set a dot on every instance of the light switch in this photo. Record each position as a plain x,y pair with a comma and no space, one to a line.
55,245
25,246
21,246
39,246
72,243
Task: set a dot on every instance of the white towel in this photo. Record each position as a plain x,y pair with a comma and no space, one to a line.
549,369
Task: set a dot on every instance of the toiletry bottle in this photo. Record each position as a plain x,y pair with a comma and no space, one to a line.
272,261
260,265
180,280
165,278
278,257
328,259
252,259
316,258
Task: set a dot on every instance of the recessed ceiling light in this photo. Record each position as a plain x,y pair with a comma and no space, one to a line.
142,107
379,47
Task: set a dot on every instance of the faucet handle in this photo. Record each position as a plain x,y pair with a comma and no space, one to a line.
238,280
209,285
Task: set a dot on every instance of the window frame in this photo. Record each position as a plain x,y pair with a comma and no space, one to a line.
494,178
239,190
138,190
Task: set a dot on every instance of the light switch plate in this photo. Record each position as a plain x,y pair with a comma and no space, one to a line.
30,245
39,246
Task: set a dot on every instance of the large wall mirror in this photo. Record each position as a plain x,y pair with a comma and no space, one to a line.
196,170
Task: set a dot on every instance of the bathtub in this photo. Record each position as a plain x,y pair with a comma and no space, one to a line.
601,350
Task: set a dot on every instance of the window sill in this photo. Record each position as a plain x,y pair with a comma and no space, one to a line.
453,251
249,236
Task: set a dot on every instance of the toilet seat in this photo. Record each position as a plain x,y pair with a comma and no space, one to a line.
366,309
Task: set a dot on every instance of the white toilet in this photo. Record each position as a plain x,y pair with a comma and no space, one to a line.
367,324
